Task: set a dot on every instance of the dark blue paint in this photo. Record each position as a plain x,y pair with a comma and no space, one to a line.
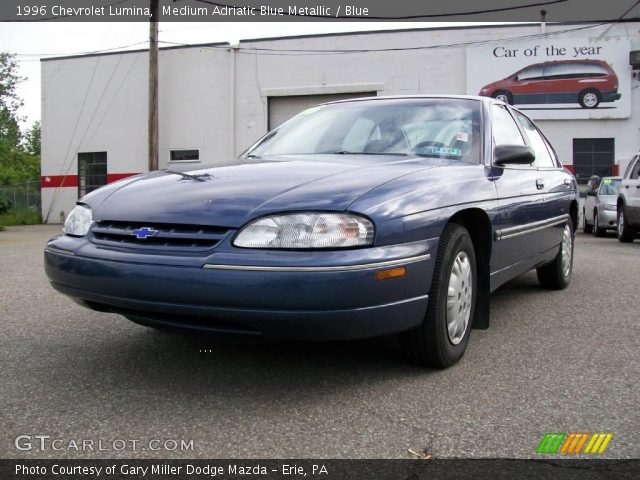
409,200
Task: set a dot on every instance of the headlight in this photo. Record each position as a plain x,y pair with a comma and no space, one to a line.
78,221
306,230
609,206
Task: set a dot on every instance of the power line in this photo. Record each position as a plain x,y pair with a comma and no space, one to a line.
301,51
57,192
288,51
403,17
89,52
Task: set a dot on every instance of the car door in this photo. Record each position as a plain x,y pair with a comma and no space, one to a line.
520,199
630,190
529,85
558,185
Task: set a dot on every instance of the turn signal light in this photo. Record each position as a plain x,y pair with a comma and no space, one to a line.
393,273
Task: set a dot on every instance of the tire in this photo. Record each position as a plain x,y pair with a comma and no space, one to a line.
597,231
586,226
626,233
557,274
437,342
589,98
503,95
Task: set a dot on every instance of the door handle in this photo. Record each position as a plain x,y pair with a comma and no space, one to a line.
539,184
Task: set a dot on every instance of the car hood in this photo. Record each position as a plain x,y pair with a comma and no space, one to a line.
230,195
608,198
492,85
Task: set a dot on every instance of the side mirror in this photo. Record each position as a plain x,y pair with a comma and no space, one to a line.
592,193
513,155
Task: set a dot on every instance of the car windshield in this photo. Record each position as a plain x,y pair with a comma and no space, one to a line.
440,128
609,186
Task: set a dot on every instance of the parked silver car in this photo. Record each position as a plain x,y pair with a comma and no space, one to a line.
599,211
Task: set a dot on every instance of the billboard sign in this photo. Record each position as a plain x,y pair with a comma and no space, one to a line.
578,78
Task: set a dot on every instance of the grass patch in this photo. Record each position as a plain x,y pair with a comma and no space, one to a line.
21,217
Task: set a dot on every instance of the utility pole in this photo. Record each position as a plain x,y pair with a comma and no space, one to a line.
153,84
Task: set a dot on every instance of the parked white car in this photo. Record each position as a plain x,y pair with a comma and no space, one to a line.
600,209
628,205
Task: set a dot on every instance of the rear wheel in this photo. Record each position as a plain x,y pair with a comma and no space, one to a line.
597,230
557,274
586,226
589,98
626,233
442,338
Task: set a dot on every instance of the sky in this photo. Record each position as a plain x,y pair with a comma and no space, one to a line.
32,41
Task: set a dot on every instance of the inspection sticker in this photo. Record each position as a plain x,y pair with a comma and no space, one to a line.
456,152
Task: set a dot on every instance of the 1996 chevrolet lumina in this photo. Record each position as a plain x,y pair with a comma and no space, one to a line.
353,219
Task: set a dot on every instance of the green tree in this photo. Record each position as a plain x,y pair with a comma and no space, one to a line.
10,102
31,141
19,156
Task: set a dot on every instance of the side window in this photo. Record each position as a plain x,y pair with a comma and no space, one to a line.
504,128
629,167
534,72
635,173
543,157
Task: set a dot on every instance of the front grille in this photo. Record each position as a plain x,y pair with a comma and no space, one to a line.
169,237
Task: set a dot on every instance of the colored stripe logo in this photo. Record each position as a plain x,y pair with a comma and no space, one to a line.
574,443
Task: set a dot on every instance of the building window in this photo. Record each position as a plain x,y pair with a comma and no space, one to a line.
593,156
192,155
92,171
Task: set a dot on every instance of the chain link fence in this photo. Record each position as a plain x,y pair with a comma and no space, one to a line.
20,198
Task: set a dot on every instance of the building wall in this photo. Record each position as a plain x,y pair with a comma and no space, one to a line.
215,98
100,103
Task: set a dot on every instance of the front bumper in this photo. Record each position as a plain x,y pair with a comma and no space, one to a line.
276,299
607,218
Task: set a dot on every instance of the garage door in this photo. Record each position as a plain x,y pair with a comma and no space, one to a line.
283,108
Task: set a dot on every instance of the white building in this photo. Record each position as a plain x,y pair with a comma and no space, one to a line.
217,99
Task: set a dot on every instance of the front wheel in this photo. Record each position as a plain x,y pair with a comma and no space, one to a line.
626,233
442,338
597,230
557,274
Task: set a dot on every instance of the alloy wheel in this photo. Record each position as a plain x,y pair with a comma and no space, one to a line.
459,298
567,251
590,99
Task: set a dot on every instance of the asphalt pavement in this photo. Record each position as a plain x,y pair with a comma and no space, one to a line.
552,361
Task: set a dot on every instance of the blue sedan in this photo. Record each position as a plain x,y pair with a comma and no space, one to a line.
353,219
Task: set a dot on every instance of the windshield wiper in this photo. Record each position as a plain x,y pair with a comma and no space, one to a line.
197,178
346,152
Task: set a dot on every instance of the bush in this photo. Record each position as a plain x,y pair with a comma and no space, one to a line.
5,205
21,217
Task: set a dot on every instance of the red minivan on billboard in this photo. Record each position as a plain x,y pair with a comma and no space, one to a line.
587,82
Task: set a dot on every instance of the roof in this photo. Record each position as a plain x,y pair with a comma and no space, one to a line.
139,50
343,34
412,97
